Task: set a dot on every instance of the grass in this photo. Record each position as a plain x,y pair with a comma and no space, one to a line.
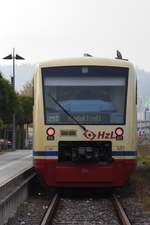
2,152
5,151
144,162
144,156
138,185
146,201
140,180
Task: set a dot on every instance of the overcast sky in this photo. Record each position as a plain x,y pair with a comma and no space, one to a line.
47,29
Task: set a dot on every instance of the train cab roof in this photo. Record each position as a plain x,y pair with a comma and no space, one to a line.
91,61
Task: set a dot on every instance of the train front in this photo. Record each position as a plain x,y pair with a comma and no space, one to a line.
85,123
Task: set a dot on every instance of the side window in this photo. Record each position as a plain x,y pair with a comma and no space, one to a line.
136,92
33,80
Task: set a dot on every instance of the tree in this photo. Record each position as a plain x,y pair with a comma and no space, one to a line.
8,100
23,117
20,104
28,89
24,109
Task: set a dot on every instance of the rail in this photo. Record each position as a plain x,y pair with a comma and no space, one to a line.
47,219
120,211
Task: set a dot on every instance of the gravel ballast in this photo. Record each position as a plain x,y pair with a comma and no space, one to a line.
90,211
31,211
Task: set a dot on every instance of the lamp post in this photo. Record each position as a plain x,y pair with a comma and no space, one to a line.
146,110
13,57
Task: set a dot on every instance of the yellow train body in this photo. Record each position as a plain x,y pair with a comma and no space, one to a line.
123,149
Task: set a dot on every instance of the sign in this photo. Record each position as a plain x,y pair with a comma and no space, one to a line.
91,135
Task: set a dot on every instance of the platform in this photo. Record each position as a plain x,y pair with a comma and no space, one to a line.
12,163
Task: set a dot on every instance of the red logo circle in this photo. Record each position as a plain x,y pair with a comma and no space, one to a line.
89,134
119,131
50,131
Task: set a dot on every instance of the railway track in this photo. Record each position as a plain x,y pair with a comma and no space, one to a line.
124,220
48,217
54,207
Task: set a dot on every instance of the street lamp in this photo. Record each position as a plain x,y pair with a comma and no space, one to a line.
146,110
13,57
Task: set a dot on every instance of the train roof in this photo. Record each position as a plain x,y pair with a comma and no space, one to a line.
93,61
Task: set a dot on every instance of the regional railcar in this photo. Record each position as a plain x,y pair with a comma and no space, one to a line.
85,122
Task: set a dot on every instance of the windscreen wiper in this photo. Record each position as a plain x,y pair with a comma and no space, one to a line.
68,113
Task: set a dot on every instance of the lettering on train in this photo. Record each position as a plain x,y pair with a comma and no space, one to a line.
101,135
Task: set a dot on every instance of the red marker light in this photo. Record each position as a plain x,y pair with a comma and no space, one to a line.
119,131
50,131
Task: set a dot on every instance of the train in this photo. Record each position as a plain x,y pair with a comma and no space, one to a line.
84,121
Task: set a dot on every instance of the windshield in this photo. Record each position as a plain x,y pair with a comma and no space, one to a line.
91,98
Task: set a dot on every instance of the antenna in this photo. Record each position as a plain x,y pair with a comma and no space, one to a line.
119,56
87,55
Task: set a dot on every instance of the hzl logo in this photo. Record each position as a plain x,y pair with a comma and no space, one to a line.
117,134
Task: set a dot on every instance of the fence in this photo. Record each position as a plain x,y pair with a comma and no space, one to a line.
143,131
